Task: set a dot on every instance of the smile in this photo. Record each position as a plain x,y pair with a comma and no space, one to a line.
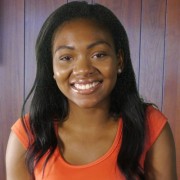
86,86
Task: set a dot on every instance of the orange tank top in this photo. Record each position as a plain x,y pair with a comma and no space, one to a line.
105,167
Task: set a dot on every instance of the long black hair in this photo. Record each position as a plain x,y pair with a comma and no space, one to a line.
49,104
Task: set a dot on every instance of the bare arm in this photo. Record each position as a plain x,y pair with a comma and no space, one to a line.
15,160
160,161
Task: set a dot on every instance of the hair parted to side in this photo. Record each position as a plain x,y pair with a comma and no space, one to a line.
49,104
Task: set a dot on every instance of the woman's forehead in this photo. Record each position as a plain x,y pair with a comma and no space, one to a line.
81,32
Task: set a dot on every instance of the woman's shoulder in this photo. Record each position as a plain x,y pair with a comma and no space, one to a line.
155,118
155,123
160,147
154,113
21,128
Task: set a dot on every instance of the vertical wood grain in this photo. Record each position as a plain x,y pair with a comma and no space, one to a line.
171,102
89,1
155,55
36,13
129,13
152,50
11,69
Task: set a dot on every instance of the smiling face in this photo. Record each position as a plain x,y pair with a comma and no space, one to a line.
85,63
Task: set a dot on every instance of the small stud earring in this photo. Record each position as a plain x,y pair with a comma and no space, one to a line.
119,71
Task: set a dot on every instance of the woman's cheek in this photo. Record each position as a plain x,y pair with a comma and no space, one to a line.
61,69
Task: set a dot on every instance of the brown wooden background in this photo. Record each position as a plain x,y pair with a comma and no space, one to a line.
153,28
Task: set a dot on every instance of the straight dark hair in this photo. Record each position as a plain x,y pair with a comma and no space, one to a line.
49,104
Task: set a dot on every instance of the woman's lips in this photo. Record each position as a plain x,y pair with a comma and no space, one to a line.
86,88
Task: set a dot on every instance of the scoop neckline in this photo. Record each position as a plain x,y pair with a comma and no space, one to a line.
100,159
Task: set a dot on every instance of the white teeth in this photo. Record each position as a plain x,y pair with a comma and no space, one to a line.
86,86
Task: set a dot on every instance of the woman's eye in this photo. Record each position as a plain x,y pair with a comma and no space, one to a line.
65,58
99,55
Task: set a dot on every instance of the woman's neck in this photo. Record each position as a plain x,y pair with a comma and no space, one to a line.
88,117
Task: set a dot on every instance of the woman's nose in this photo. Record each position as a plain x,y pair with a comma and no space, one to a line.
83,67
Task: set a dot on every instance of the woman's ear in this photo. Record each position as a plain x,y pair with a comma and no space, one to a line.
120,61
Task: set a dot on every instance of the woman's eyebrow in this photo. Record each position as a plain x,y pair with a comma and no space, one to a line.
63,47
99,42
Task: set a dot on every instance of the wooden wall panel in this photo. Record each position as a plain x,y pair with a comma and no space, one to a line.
152,50
153,29
11,69
89,1
171,102
129,13
36,13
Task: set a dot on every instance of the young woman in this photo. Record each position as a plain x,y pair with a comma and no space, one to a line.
86,119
